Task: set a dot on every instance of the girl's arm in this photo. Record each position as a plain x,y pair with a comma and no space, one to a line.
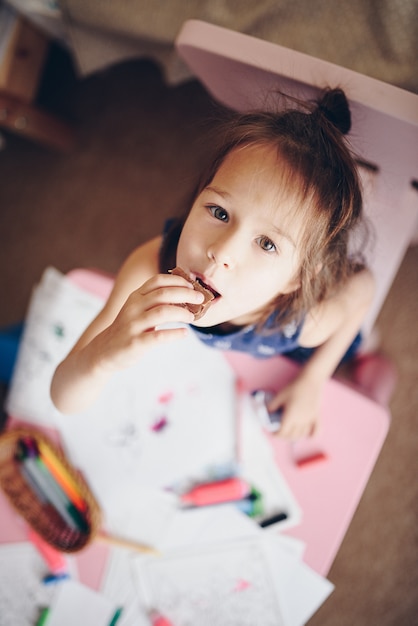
141,301
332,326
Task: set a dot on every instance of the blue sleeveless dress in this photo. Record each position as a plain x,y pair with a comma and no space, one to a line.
260,343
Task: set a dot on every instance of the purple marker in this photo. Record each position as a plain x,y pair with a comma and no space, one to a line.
159,425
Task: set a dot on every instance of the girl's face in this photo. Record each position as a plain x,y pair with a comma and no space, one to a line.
241,237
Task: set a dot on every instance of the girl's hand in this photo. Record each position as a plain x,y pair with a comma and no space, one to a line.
301,404
137,326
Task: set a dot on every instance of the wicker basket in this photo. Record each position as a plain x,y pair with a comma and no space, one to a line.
43,518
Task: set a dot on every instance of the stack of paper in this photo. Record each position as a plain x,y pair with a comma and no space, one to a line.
232,574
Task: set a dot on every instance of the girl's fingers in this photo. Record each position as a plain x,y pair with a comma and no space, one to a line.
167,295
163,335
143,319
276,402
171,288
297,430
156,303
162,314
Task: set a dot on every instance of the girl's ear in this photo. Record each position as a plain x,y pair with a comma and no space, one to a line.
318,268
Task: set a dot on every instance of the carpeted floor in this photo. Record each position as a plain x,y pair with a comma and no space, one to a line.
140,146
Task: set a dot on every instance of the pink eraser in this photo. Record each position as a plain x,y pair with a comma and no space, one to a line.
55,560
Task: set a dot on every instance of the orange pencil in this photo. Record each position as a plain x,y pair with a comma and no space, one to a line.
62,477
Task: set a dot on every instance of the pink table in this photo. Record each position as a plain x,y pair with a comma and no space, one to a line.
353,430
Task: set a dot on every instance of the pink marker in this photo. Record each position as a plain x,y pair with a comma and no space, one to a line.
55,560
217,492
158,620
166,397
242,585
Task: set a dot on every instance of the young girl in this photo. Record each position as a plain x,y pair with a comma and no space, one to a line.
268,234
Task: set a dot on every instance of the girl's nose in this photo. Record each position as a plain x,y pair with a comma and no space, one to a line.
223,253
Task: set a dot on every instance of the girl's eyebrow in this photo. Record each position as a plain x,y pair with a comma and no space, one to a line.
281,233
220,192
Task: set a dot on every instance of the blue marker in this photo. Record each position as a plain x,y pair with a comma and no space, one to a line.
252,505
52,579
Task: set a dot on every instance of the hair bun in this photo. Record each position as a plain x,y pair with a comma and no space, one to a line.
334,106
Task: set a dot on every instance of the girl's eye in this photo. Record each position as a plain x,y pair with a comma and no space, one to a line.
266,244
219,213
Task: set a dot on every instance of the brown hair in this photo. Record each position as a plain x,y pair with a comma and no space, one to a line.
309,139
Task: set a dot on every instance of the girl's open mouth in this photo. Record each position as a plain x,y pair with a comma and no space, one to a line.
215,293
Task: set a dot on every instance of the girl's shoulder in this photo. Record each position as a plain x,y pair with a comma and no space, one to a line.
325,318
140,265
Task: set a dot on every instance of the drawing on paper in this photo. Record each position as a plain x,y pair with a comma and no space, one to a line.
225,585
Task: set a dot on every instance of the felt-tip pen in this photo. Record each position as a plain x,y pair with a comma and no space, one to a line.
116,616
158,620
52,579
217,492
55,560
43,617
62,476
47,487
311,458
274,519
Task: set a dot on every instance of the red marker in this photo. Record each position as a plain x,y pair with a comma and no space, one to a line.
216,493
311,458
159,620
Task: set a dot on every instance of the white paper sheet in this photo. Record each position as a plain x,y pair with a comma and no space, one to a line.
300,589
185,385
119,587
57,315
75,603
202,526
22,592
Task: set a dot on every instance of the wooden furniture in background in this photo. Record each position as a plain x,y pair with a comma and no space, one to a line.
21,65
